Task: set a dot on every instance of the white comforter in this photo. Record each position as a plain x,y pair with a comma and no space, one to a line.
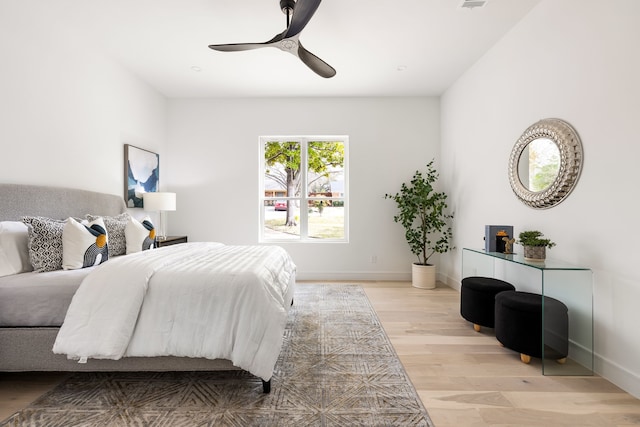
196,300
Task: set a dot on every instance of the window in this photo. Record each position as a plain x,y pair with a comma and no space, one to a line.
303,188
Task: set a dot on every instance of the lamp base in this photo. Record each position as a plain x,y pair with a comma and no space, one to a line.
161,231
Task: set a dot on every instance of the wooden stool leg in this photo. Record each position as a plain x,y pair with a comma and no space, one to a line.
476,327
525,359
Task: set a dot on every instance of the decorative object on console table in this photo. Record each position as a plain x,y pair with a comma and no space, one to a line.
501,245
534,245
171,240
421,211
493,235
508,245
160,202
141,174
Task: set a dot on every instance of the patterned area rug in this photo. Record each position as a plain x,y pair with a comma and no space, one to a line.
337,368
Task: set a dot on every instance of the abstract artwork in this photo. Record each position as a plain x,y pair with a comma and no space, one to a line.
141,174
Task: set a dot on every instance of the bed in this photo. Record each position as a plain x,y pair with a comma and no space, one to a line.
37,309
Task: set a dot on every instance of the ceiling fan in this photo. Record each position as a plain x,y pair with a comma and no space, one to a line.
298,15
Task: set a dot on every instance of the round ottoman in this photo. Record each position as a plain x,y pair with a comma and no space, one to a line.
518,325
477,298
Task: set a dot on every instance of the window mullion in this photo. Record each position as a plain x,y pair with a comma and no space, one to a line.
304,204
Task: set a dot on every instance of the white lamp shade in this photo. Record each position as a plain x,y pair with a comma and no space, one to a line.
159,201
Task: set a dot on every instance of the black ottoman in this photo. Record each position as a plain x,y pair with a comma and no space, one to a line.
477,298
519,325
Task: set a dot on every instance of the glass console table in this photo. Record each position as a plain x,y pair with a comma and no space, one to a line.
570,284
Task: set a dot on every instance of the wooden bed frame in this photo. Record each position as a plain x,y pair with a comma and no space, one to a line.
29,349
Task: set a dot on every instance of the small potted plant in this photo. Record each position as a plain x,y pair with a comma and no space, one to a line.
534,245
422,213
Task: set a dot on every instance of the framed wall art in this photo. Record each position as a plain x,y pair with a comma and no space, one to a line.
141,174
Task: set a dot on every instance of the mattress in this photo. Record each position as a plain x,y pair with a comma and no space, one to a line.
47,296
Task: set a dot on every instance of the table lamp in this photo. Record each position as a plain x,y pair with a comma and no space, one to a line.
160,202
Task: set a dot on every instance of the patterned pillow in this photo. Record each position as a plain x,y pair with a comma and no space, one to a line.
84,245
140,235
115,230
45,243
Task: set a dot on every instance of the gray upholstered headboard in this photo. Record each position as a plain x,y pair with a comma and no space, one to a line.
17,200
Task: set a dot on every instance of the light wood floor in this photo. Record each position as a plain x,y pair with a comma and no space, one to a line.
464,378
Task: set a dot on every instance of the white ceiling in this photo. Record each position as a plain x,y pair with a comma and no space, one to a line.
366,41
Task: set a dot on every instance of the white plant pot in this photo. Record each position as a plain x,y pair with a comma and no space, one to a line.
423,276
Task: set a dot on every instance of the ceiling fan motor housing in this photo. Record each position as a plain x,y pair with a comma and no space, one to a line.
287,6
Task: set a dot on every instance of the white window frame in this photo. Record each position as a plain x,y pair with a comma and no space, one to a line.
304,197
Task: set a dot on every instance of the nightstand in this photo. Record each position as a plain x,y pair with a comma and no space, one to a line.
171,240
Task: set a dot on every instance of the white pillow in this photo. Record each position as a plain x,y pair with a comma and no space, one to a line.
14,248
84,245
140,236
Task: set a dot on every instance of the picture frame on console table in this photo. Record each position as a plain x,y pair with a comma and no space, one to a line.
492,241
141,174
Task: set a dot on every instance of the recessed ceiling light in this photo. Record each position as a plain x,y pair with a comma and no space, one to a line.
196,68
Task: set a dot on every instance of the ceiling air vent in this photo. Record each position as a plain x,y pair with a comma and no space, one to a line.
470,4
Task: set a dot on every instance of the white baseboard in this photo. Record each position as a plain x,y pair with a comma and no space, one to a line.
623,378
580,354
382,276
450,281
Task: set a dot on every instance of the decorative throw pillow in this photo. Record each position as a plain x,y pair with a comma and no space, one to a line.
140,235
115,230
45,243
84,245
14,248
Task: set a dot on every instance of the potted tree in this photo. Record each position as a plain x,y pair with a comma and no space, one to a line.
421,211
534,245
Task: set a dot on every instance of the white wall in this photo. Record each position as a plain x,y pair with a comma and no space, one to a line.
213,147
65,109
576,60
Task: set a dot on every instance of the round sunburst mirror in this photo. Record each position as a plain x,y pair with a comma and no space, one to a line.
545,163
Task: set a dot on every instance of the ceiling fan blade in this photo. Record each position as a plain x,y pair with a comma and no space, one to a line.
320,67
238,47
302,13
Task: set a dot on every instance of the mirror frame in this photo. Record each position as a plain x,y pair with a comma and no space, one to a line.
571,156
